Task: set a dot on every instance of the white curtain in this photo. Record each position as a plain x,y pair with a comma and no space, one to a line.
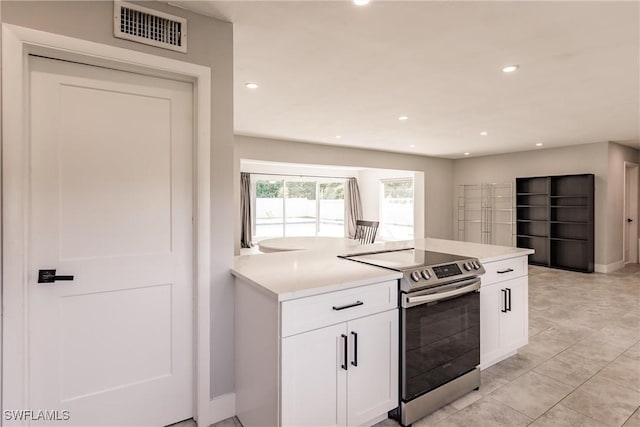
353,206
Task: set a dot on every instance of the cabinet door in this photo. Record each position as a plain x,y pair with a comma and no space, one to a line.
514,323
372,380
491,304
313,382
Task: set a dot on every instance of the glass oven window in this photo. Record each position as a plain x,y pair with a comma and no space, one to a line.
441,342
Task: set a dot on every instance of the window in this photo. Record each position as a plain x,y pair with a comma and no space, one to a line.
301,206
331,209
396,209
269,216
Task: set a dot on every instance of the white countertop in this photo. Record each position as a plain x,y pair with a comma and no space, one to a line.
295,274
281,244
485,253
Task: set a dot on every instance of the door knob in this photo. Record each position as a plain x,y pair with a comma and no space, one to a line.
629,220
49,276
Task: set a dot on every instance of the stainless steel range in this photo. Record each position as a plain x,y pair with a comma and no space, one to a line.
439,327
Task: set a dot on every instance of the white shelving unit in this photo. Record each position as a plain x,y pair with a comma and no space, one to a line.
486,213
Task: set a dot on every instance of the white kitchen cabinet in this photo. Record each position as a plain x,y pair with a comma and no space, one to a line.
320,387
314,385
503,310
324,360
372,385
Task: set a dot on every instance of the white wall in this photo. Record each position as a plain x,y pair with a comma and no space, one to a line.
588,158
210,44
605,160
435,185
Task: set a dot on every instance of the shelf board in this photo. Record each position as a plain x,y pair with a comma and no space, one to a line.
532,194
568,206
533,220
573,195
554,264
562,239
569,222
462,208
543,264
531,236
532,206
478,199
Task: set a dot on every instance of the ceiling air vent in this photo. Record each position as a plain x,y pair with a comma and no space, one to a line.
148,26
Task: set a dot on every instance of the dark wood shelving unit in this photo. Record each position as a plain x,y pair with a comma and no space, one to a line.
555,217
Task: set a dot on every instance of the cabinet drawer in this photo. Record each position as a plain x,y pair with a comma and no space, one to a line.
314,312
507,269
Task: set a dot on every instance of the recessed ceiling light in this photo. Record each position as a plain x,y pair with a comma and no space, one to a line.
338,136
484,133
510,68
467,153
539,144
402,118
412,146
251,85
361,2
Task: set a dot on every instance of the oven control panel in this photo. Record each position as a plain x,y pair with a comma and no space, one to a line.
448,270
438,274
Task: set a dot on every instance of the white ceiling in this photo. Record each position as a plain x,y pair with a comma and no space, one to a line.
328,68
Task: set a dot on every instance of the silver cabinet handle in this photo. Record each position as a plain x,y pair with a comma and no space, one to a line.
508,270
442,295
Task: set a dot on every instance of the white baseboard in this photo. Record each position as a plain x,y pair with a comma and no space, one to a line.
609,268
221,408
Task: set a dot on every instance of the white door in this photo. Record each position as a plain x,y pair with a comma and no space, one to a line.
372,382
314,381
110,204
631,213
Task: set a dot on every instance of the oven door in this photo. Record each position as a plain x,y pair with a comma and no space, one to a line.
440,336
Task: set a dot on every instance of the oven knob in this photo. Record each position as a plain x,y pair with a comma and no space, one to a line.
415,276
426,275
476,265
467,266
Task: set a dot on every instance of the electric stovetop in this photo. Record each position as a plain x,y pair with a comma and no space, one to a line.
404,259
421,269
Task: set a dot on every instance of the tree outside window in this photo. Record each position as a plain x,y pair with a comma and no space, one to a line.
298,207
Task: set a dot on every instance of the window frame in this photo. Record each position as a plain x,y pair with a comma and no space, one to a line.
255,177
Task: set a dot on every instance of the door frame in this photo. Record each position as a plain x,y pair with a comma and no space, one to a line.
626,169
17,44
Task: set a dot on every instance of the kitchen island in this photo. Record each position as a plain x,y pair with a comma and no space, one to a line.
317,335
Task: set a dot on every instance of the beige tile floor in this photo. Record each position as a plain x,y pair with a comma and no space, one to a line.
581,367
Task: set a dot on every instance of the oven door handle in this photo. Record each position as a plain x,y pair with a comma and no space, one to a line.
423,299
